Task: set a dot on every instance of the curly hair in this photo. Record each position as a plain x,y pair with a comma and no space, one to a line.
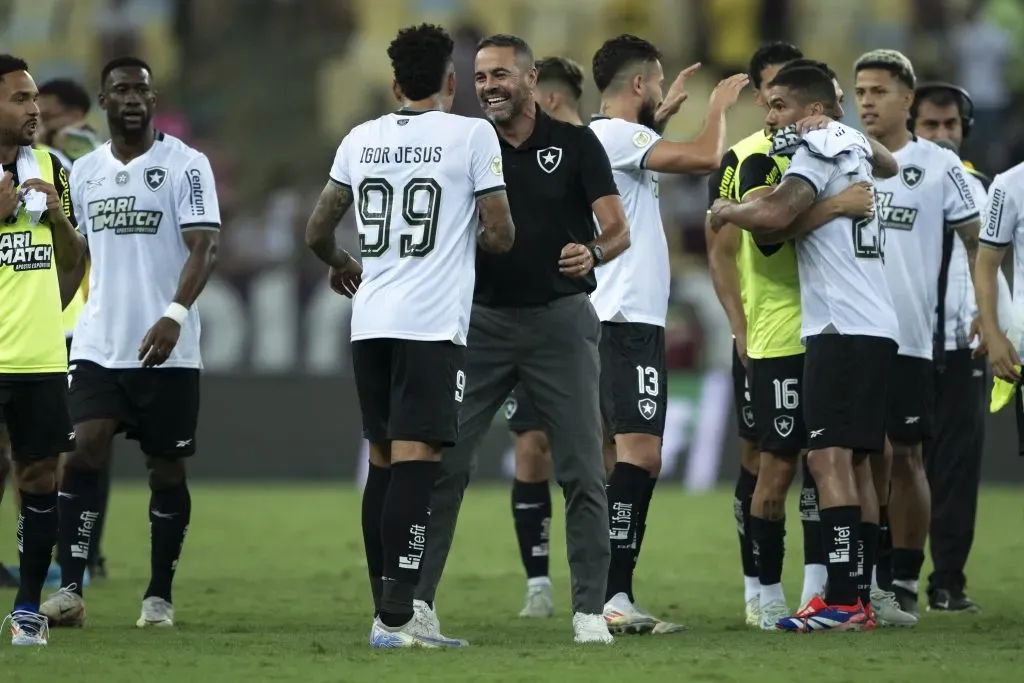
563,71
618,53
420,56
769,55
10,64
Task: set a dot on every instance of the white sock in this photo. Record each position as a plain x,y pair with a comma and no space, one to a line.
908,584
751,588
815,576
538,582
772,594
874,578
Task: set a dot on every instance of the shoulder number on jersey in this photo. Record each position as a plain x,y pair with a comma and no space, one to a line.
421,207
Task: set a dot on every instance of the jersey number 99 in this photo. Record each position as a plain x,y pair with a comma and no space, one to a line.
421,207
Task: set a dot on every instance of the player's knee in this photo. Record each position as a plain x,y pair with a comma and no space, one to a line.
640,450
37,476
92,449
907,459
750,458
533,457
776,474
165,473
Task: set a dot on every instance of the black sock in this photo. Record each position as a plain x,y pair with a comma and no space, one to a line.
627,488
883,558
771,548
866,559
906,564
745,485
37,534
840,528
80,514
810,519
170,511
645,508
404,536
102,502
531,512
377,481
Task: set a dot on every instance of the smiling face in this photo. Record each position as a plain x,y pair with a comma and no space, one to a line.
503,83
19,109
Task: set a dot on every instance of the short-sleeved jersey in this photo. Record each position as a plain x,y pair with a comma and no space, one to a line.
635,286
31,325
722,184
916,207
773,282
959,306
1004,226
842,279
134,217
416,176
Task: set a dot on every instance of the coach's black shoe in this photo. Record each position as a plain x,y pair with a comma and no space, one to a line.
943,600
907,600
7,580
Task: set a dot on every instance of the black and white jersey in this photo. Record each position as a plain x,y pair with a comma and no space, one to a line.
916,208
842,283
635,286
416,177
1003,226
134,216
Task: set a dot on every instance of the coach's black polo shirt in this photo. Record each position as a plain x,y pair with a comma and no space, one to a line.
552,180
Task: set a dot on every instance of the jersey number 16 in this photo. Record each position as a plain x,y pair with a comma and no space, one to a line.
376,203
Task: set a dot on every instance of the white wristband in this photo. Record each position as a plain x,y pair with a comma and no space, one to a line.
176,312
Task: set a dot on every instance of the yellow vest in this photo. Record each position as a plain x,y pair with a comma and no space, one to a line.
758,143
31,325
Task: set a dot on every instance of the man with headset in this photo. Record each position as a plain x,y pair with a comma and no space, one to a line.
944,114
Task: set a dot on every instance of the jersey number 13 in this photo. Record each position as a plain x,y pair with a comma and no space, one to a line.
376,206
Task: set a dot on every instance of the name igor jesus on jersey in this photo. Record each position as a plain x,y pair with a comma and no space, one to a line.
134,216
634,287
415,177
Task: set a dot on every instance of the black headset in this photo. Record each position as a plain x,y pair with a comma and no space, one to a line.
963,102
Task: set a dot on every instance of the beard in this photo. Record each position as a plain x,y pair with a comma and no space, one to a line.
645,116
506,111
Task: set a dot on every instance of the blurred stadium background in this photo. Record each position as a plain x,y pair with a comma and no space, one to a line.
267,88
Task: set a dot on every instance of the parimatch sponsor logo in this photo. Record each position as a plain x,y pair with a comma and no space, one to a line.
18,252
120,215
894,217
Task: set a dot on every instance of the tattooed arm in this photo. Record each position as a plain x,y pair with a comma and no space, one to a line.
334,202
497,232
773,211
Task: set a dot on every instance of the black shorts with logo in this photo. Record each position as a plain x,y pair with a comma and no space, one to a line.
742,399
158,407
776,387
633,378
35,410
911,415
409,390
520,413
846,384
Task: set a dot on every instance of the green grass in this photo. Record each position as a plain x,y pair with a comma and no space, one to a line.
272,587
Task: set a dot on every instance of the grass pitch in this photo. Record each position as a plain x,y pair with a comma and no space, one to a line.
272,587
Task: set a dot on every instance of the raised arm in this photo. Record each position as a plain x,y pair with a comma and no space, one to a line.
856,201
772,211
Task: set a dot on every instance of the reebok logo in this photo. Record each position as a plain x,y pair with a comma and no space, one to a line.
815,433
911,419
183,444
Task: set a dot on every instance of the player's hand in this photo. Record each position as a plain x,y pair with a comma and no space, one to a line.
675,96
741,346
159,342
856,201
346,281
53,207
1002,356
727,92
575,260
9,199
810,123
715,220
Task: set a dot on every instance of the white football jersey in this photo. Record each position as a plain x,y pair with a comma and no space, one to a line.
635,286
416,177
1004,226
916,207
842,284
133,216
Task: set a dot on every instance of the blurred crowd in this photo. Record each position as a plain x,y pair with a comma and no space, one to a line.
267,88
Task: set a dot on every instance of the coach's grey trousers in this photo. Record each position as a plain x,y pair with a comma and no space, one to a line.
552,350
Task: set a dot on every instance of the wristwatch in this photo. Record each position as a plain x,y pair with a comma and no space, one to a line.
597,253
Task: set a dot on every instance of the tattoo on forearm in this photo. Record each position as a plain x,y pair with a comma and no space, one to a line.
497,231
330,208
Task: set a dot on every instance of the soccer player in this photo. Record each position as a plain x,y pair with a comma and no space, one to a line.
147,203
775,352
725,249
37,238
930,196
632,292
849,328
419,178
943,113
559,87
